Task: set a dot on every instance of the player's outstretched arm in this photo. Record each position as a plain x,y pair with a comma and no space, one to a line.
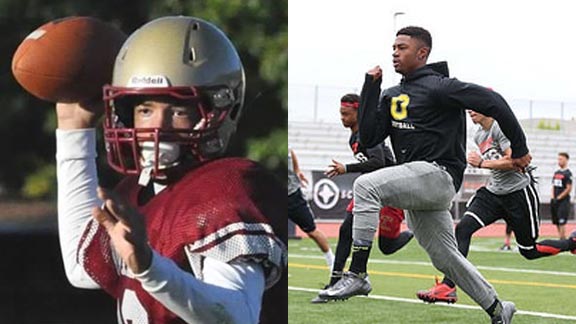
454,93
378,157
77,182
296,168
229,293
335,168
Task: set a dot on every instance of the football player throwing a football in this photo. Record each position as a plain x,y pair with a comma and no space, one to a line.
187,236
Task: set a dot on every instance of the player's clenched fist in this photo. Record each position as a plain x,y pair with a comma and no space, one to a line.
474,159
522,162
375,72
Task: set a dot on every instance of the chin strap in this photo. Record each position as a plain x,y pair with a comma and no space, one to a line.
168,156
145,176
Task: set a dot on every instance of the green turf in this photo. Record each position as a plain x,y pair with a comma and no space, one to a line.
307,269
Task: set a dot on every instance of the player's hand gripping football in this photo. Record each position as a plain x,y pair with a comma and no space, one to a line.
126,229
80,114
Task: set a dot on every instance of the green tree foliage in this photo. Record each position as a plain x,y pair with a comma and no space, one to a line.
260,31
258,28
547,125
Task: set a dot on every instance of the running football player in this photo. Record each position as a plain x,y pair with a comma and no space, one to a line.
425,118
390,239
509,195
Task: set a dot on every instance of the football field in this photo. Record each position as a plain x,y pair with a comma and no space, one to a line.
543,290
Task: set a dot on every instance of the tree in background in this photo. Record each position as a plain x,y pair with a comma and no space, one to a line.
258,28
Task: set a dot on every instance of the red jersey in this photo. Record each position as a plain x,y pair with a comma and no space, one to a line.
226,209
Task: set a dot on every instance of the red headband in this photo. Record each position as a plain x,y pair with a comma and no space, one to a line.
349,104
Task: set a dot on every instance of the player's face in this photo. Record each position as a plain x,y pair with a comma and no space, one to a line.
562,161
165,114
408,54
476,117
348,116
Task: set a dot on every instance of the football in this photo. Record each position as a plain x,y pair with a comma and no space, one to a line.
67,60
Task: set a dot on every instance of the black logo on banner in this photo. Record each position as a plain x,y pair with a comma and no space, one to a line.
331,196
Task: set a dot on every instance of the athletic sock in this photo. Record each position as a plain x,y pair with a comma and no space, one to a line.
495,309
334,277
329,258
360,254
448,282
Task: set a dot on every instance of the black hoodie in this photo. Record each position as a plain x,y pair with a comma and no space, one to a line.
425,117
370,159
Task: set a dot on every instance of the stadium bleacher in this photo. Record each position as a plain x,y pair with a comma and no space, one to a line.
317,143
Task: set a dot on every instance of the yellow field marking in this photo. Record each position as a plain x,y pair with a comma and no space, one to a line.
421,276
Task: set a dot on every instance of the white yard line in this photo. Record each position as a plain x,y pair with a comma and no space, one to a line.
428,264
417,301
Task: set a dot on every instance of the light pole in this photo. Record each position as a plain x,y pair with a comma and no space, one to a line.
394,78
396,14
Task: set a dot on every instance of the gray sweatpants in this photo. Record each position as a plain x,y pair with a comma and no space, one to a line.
426,191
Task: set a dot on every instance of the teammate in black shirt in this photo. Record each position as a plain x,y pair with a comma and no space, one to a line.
561,189
390,239
425,118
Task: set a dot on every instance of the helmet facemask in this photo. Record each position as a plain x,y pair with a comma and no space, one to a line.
151,151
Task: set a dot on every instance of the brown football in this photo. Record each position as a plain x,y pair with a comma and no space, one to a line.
67,60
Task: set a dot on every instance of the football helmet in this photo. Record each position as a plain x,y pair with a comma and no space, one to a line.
185,59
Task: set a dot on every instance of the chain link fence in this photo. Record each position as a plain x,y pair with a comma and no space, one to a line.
321,103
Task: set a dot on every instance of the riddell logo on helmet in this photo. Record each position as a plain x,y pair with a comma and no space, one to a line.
151,81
